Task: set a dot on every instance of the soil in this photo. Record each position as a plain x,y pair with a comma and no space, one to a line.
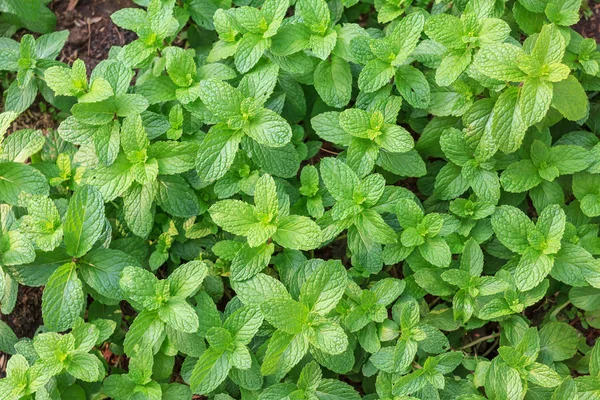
92,32
27,315
589,26
25,318
34,118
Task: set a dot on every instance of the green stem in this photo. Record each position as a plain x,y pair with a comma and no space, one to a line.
559,309
480,340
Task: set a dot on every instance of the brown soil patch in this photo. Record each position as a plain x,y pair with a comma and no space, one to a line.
24,319
589,26
92,32
34,118
27,315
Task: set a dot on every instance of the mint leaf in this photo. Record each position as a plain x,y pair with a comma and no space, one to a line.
84,221
63,299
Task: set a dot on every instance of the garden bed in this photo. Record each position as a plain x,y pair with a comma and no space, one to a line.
386,205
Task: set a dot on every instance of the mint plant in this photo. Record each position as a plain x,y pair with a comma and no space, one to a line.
34,16
420,234
370,137
241,114
162,303
227,350
357,209
469,282
153,26
29,58
267,220
475,28
317,199
535,243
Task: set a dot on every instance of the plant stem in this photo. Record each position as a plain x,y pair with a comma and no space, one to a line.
559,309
480,340
492,347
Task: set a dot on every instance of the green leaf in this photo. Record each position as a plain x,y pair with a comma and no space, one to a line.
375,75
16,249
249,51
431,280
551,224
220,98
543,375
16,178
144,332
567,389
324,287
21,145
436,251
210,370
137,208
558,341
409,164
533,267
84,221
179,315
445,29
286,314
187,278
217,152
249,261
244,323
328,337
508,126
520,177
503,382
86,367
283,353
139,285
361,156
265,196
315,14
333,81
176,197
371,224
63,300
282,161
500,61
234,216
327,126
297,233
512,228
8,339
534,100
569,99
586,298
269,129
339,178
450,183
112,181
98,113
258,289
19,99
101,270
453,64
549,46
413,86
563,12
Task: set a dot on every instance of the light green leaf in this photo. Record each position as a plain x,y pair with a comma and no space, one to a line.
84,221
63,300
